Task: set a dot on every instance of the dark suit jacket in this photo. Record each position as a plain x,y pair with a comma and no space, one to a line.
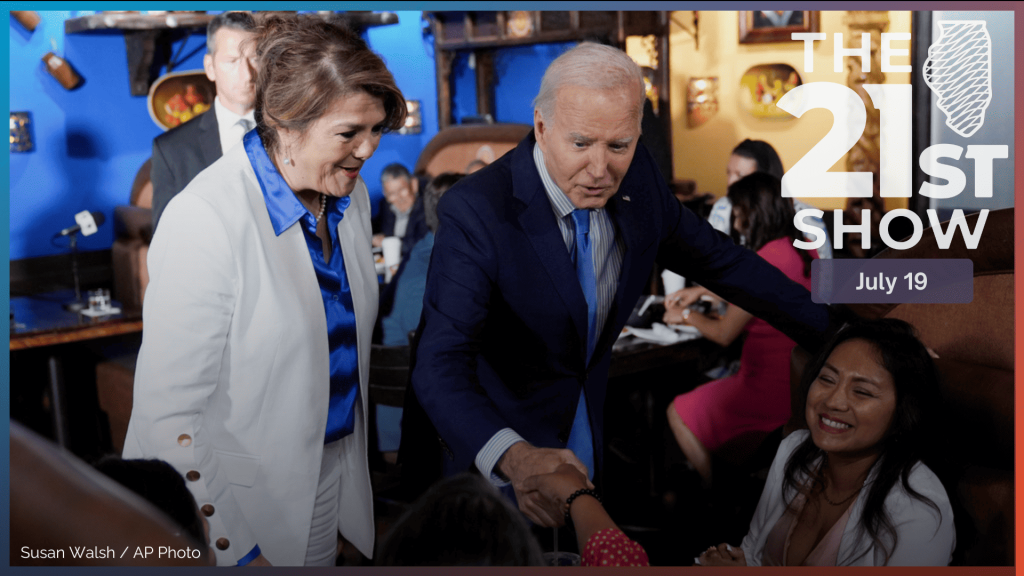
501,342
179,155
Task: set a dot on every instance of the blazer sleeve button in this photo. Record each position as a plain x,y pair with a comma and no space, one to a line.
222,543
184,440
207,510
192,475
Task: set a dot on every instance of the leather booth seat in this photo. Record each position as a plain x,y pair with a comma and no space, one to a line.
133,231
453,148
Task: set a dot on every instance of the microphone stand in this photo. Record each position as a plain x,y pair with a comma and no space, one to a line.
75,305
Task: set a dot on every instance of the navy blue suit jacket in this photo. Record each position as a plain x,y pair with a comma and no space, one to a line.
501,340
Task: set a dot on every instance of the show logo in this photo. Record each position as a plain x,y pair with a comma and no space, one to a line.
959,72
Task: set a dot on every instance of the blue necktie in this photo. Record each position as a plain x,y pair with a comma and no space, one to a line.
581,440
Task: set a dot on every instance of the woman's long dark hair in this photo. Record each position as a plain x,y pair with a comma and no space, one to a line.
767,215
761,152
916,380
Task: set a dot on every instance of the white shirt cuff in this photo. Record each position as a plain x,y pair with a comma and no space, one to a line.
488,456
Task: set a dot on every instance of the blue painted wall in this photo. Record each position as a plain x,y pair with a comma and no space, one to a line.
90,142
517,75
409,55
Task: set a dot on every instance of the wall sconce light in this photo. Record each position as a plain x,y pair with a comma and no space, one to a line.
21,132
414,120
701,100
650,87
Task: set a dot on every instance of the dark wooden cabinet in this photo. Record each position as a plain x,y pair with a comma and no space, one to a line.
483,32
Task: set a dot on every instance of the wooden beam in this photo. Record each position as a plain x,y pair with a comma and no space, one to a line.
484,82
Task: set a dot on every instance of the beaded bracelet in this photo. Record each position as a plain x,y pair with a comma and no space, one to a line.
569,500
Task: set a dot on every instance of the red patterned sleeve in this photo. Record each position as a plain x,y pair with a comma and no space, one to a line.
611,547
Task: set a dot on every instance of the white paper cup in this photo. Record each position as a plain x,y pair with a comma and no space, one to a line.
673,282
392,246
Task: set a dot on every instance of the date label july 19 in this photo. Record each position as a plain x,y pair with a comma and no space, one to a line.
893,281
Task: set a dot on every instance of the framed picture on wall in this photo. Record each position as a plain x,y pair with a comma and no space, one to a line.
760,26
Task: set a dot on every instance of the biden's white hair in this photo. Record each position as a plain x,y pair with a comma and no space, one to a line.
593,66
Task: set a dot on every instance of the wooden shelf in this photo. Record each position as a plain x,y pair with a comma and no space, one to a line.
121,22
149,35
189,20
469,30
483,32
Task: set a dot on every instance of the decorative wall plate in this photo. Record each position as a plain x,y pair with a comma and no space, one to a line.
178,97
763,85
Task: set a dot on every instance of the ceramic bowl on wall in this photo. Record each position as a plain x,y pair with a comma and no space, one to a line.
178,97
762,86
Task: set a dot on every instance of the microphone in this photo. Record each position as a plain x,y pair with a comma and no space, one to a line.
87,221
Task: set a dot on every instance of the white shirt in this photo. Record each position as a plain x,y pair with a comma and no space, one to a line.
401,220
926,537
228,128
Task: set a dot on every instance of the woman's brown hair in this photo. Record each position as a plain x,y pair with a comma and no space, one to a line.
304,64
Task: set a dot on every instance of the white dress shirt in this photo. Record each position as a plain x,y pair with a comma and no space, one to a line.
401,220
229,126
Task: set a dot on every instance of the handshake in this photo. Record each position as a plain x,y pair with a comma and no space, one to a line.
543,479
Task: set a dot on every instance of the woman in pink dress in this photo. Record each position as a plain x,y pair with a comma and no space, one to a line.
757,397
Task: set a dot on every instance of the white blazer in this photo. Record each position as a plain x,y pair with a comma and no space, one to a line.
926,537
231,386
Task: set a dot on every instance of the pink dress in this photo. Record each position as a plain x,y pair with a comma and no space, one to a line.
757,397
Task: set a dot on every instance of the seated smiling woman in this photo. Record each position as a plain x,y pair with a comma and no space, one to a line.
852,490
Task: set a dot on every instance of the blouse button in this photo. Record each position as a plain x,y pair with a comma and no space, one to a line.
184,440
222,543
192,476
207,510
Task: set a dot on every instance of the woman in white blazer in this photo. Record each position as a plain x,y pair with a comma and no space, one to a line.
262,298
852,490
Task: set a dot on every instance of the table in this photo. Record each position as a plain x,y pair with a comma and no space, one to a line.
41,320
655,372
631,355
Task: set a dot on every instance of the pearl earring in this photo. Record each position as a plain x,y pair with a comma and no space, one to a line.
288,161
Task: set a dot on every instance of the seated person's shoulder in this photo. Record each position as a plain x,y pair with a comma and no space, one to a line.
926,482
791,442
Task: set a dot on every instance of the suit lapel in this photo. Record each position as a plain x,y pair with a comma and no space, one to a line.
538,222
209,143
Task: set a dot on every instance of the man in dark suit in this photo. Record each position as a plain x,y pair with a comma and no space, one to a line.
182,153
538,261
401,211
